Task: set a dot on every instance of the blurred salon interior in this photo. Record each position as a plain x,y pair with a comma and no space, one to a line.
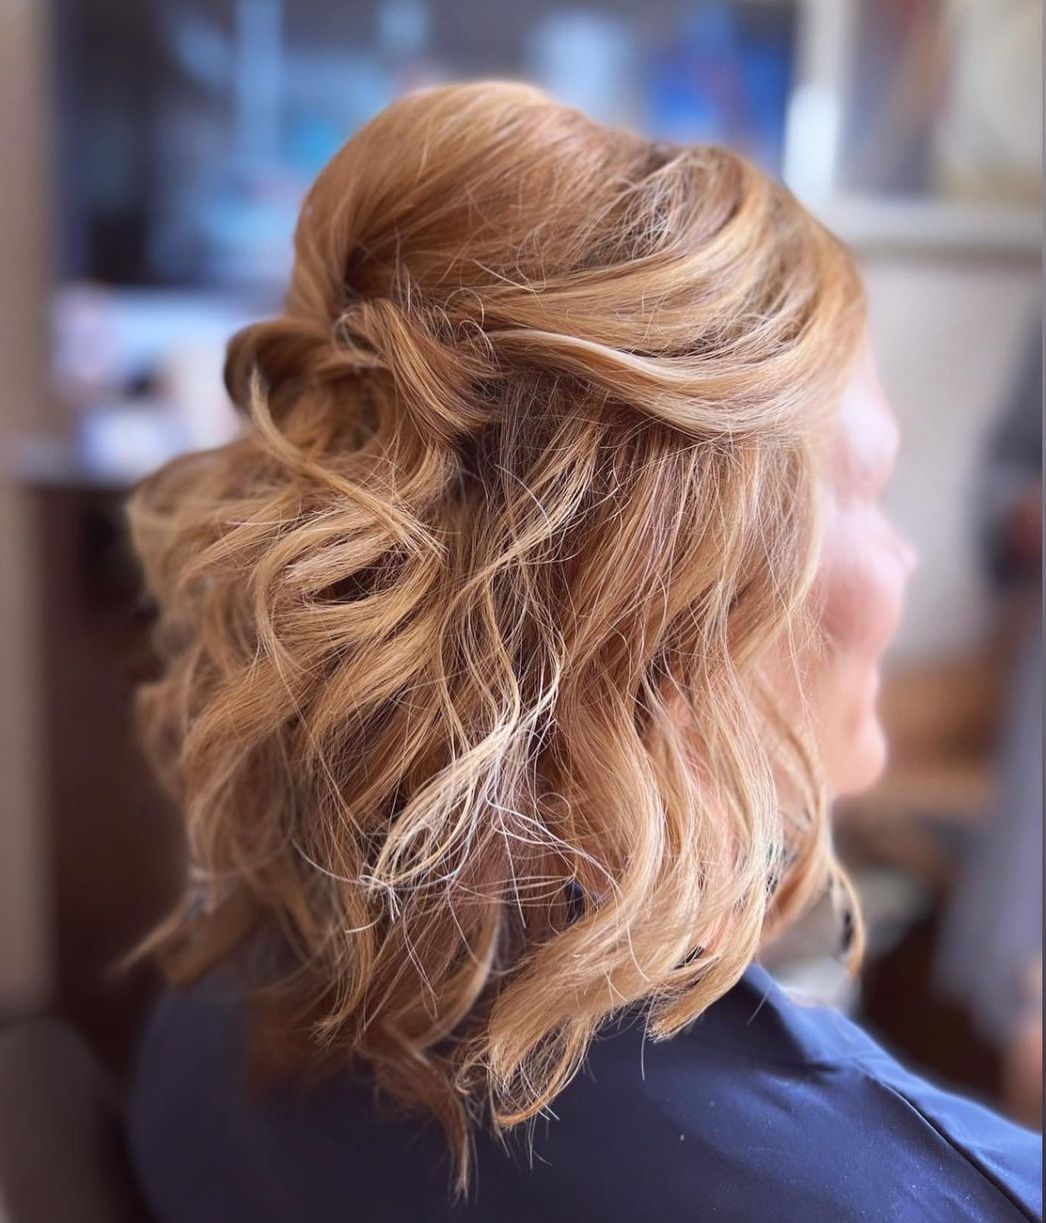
154,156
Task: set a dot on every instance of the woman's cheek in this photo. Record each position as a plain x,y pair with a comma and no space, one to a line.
862,583
859,613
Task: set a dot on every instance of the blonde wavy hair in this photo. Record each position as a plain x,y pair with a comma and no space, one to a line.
463,637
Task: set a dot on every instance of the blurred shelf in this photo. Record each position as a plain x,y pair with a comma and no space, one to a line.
106,450
952,790
41,461
935,227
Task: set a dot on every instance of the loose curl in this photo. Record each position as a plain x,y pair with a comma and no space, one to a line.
462,637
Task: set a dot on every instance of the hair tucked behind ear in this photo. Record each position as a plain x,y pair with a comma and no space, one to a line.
461,638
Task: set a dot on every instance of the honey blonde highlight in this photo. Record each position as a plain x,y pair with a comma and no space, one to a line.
461,638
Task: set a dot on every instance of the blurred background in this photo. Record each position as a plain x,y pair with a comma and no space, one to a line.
155,153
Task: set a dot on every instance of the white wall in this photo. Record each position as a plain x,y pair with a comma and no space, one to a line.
949,333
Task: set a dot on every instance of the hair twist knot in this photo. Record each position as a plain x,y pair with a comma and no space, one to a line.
434,369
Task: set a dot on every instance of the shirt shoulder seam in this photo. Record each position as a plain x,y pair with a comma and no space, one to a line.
999,1186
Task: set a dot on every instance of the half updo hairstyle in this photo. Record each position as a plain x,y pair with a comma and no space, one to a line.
460,638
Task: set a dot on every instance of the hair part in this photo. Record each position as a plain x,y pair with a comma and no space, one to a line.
461,637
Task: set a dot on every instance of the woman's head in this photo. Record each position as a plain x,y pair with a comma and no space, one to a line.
494,648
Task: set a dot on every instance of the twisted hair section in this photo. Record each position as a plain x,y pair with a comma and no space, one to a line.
461,638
